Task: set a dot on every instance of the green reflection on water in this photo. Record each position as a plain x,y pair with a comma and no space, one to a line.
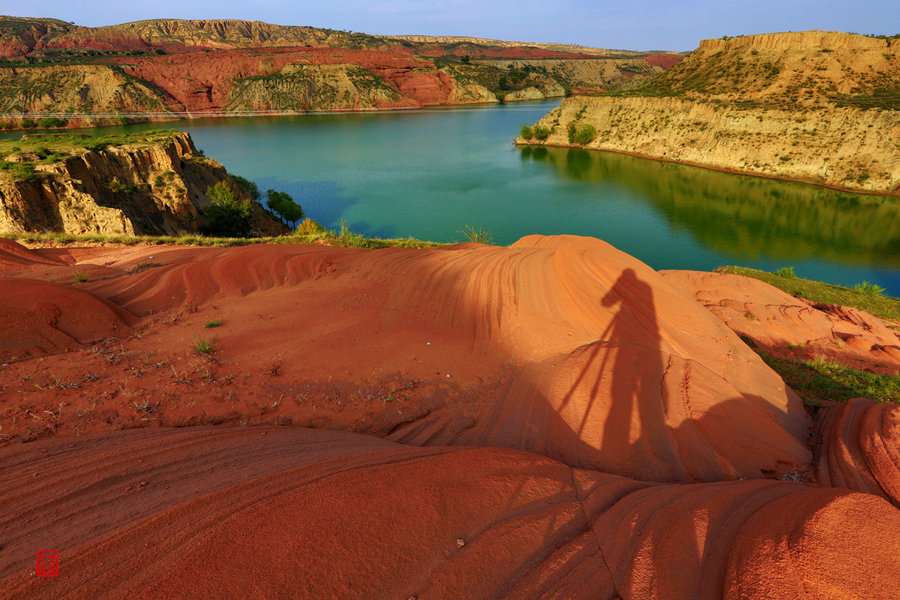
746,216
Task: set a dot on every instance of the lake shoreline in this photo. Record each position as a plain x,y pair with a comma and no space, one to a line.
729,170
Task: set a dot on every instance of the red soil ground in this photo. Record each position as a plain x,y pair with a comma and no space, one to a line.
549,420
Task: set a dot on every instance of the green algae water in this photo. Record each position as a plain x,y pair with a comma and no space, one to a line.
429,173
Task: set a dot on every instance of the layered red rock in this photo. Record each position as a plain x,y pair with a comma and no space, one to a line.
560,345
792,327
859,447
272,512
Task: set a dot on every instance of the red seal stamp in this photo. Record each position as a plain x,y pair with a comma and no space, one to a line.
47,563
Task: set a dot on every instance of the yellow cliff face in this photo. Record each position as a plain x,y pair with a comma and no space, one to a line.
96,89
840,147
814,106
805,68
153,187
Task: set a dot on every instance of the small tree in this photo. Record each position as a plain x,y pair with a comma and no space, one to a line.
250,187
283,205
227,216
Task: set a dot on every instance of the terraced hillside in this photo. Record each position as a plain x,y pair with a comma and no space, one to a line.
174,68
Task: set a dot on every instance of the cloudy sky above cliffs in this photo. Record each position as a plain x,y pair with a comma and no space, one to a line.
635,25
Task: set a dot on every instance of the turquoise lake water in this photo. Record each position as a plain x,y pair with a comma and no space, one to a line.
429,173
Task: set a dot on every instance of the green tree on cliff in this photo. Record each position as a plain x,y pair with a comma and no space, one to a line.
283,205
226,216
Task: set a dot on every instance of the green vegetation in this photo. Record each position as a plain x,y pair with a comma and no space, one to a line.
247,185
541,132
585,134
498,80
60,145
786,272
20,171
868,288
205,345
536,132
308,232
819,380
227,216
284,206
478,235
825,293
883,98
212,324
81,276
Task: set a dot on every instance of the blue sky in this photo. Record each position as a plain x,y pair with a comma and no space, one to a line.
636,25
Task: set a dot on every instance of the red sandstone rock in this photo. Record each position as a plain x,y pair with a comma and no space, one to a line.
790,327
859,447
279,512
199,81
561,345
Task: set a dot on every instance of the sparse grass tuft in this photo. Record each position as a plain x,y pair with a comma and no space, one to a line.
205,345
211,324
81,276
478,235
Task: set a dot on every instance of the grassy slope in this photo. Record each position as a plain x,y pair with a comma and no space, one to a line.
884,307
818,381
309,232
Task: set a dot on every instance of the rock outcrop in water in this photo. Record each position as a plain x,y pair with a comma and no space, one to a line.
549,420
818,107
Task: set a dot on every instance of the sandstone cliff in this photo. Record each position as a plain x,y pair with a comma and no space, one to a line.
589,74
78,90
152,183
815,106
304,87
807,68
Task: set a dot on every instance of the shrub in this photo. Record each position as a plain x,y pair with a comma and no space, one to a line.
310,227
478,235
226,216
526,131
51,122
787,272
585,134
250,187
869,288
541,132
